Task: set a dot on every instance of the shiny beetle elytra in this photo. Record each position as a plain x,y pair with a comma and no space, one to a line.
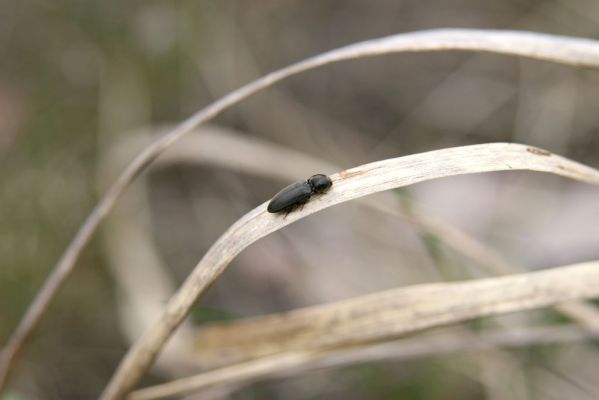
299,193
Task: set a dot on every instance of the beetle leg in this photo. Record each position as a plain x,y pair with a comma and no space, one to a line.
289,210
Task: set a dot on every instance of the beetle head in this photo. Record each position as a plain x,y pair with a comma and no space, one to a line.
319,183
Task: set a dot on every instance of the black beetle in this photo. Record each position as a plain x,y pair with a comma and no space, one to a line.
299,193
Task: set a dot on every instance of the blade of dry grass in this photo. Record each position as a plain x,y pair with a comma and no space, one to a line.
142,280
323,336
293,363
348,185
388,314
584,313
267,159
249,155
573,51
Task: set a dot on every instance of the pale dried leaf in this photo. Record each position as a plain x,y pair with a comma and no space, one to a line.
348,185
313,336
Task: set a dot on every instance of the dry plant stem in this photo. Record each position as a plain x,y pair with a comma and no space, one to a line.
573,51
585,314
267,159
350,184
246,156
293,363
391,313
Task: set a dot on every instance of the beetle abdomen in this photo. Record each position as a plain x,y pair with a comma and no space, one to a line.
293,195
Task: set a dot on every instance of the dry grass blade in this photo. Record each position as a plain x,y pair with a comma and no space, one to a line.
348,185
267,159
248,155
565,50
392,313
323,335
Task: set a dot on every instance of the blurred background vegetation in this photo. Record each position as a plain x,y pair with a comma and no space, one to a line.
76,77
